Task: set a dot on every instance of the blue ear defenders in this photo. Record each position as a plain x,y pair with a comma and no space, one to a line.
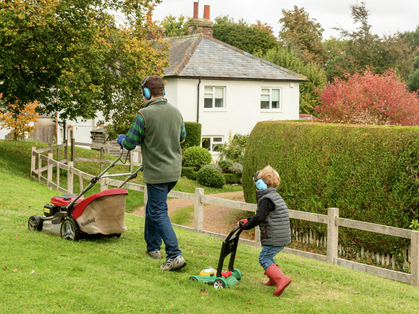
260,184
146,91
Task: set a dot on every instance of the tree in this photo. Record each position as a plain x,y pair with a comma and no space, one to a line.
18,120
175,26
413,82
364,50
243,36
369,99
72,58
316,78
264,26
303,34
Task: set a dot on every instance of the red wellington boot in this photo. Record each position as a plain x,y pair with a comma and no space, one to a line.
278,278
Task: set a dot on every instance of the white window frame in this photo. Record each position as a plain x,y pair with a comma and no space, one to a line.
213,108
270,109
212,142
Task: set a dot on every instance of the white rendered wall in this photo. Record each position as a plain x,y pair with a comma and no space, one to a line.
241,109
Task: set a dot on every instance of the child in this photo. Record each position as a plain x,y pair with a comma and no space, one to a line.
273,220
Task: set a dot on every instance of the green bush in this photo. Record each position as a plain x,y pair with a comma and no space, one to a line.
193,135
196,157
231,178
235,147
368,172
189,172
225,164
210,177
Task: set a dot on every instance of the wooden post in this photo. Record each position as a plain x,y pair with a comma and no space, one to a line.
33,161
198,211
50,147
332,235
70,177
104,183
58,176
258,243
39,168
101,158
131,163
414,263
73,149
81,182
145,197
66,152
49,174
58,155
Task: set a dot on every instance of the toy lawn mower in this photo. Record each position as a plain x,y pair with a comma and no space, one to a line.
72,216
219,278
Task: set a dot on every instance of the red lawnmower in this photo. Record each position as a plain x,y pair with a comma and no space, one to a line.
71,215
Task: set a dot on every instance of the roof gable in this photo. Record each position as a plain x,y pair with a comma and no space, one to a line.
206,57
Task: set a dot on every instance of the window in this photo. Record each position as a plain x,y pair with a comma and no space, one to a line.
270,98
213,97
212,143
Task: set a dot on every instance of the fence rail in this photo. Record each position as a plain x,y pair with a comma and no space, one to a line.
332,219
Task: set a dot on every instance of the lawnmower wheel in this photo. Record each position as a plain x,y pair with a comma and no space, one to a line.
219,284
69,230
192,278
35,223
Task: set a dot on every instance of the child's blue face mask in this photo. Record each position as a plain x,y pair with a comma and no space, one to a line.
260,184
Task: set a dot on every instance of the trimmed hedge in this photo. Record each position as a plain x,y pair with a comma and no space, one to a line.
196,157
210,177
231,178
189,172
371,173
193,135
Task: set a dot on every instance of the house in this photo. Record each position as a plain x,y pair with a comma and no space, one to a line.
224,88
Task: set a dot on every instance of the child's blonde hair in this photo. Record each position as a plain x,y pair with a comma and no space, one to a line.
270,176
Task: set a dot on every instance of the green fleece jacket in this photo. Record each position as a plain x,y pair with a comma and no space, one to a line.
159,129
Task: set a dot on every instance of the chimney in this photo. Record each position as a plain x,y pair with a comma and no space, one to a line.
195,10
201,26
207,12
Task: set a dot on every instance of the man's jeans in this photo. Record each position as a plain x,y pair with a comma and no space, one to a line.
157,222
266,257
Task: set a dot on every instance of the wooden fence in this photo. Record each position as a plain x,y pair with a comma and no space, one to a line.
332,219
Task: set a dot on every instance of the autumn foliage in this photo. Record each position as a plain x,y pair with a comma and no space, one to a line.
369,99
18,121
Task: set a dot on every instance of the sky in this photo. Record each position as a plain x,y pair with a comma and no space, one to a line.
386,17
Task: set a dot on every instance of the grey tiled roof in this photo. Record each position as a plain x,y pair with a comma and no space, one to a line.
206,57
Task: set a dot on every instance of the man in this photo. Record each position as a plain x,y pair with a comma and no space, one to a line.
159,129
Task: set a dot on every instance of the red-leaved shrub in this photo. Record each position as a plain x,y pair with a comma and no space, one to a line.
369,99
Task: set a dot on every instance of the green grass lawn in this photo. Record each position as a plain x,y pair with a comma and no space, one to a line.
42,273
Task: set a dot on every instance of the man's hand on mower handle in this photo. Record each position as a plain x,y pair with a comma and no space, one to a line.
242,222
120,139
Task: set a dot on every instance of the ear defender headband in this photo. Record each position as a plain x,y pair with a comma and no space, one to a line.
260,184
146,91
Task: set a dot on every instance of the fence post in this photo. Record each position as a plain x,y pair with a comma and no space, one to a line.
414,255
332,235
198,211
39,168
145,197
131,163
58,175
258,243
104,183
33,161
73,149
49,174
70,177
101,158
66,152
